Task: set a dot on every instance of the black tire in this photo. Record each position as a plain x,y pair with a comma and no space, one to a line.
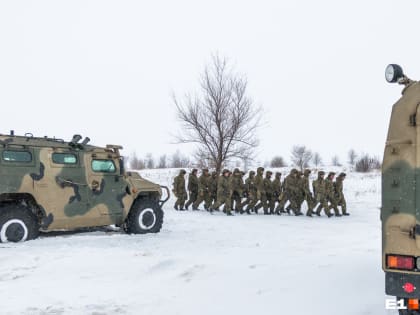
17,224
146,216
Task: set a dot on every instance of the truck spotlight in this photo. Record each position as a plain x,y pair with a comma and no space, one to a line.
393,73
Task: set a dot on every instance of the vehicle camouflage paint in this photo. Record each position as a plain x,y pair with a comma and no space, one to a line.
400,212
71,185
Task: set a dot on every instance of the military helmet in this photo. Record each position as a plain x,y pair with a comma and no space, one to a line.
331,174
260,169
307,172
278,174
342,174
268,173
182,171
236,170
321,173
293,171
194,170
205,170
251,173
225,171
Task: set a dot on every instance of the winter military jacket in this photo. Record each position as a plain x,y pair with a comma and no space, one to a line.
259,183
268,186
318,187
291,184
250,187
329,188
338,185
192,183
223,187
305,186
204,183
213,185
179,185
237,184
277,187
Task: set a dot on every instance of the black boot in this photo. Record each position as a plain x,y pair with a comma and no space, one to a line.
176,207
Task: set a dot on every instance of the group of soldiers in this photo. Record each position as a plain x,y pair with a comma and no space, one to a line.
259,191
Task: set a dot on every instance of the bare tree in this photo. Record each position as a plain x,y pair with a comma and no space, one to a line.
367,163
221,119
162,162
301,156
277,161
335,161
136,163
149,161
352,156
316,159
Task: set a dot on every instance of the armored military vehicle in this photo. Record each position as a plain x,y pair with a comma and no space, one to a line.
48,184
400,212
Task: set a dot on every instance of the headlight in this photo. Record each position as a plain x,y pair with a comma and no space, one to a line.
393,73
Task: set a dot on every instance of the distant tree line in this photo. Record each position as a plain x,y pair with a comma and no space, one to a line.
176,160
301,157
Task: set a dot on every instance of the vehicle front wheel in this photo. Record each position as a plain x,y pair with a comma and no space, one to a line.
146,216
17,224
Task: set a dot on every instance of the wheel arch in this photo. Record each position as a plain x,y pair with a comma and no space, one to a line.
25,199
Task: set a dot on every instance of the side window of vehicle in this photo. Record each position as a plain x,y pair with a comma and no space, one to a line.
17,156
64,158
103,166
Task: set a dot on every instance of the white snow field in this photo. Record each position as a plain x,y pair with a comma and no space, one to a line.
207,264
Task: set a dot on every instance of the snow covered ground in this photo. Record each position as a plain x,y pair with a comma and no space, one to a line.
207,264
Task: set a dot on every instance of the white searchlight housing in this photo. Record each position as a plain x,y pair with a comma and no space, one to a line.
393,73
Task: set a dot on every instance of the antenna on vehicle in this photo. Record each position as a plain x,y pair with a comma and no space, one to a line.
85,141
76,138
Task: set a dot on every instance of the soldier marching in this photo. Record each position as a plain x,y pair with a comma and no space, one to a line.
231,194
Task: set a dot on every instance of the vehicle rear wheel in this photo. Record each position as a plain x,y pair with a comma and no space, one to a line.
146,216
17,224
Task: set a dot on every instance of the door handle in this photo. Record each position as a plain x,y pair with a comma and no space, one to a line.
95,185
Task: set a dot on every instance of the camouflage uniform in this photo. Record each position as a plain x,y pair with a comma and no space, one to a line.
259,183
341,201
251,192
330,194
318,187
203,190
291,192
277,189
267,198
213,187
307,195
179,190
192,188
224,193
237,190
300,195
